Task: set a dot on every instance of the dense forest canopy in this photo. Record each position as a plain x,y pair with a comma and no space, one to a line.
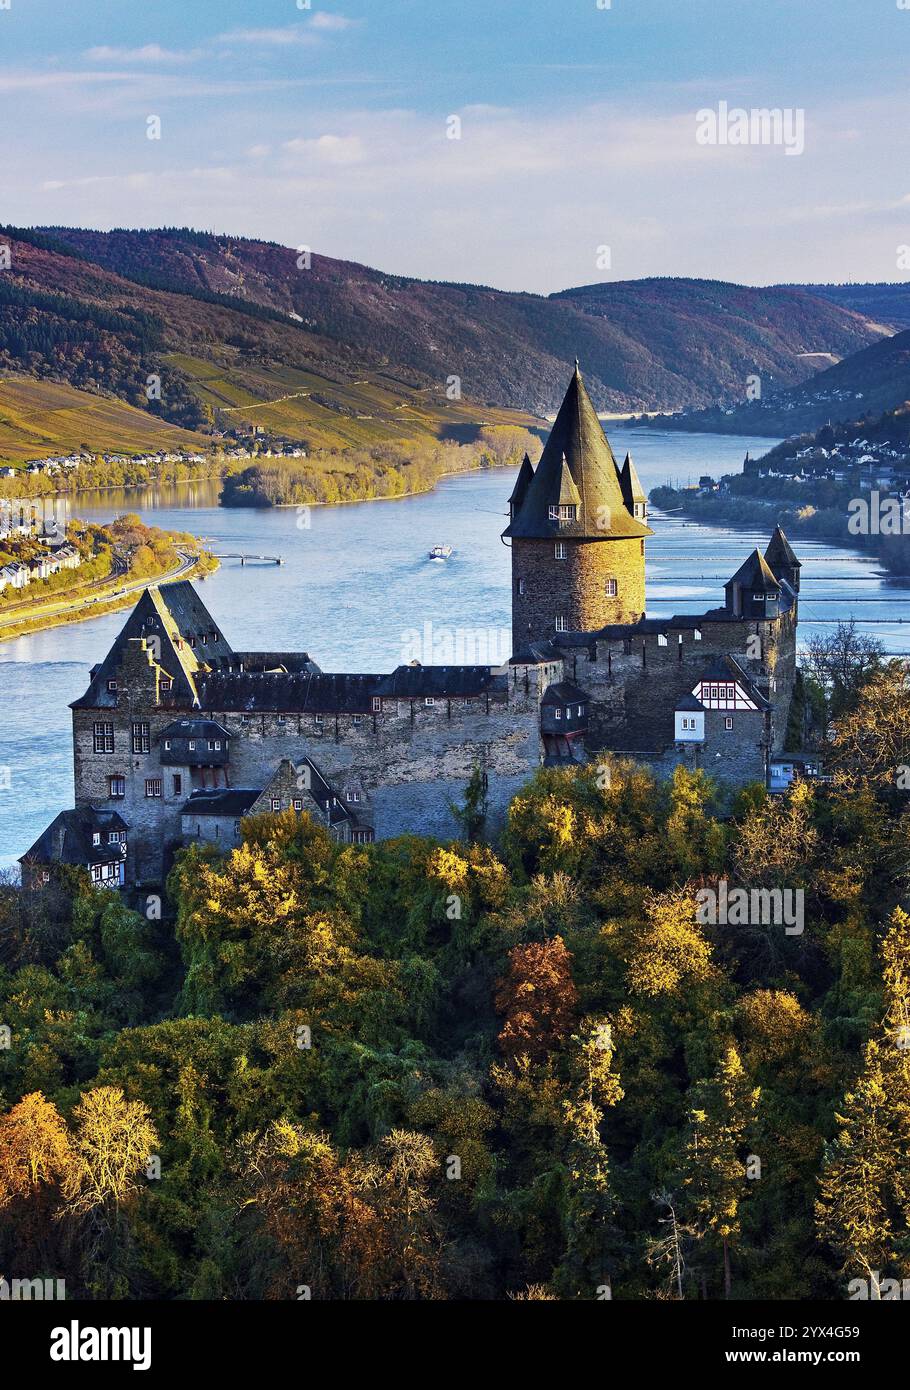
528,1070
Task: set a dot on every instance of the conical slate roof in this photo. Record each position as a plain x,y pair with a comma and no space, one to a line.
754,573
522,483
630,483
779,554
577,446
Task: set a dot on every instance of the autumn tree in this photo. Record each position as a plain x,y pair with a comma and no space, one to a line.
537,997
112,1144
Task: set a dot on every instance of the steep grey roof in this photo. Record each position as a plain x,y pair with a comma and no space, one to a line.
535,654
630,483
416,682
754,573
780,553
522,483
68,838
170,618
230,801
564,693
577,446
727,669
689,702
287,692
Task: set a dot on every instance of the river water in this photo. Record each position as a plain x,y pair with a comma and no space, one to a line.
356,585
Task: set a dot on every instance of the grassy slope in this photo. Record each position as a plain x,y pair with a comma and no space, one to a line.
328,412
46,417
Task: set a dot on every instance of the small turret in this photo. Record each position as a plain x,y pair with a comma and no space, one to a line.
782,560
522,483
753,592
633,493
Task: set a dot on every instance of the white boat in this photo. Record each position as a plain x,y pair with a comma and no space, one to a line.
440,552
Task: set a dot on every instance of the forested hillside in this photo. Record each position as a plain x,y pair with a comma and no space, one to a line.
424,1071
645,344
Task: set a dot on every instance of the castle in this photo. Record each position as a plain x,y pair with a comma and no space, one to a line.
179,735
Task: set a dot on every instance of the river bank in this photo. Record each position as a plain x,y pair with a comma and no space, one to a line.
826,519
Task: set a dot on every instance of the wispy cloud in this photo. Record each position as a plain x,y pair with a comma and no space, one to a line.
307,32
148,53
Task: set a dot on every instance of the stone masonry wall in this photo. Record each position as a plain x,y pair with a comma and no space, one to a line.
574,588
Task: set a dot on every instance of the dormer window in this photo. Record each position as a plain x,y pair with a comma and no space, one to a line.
564,512
96,838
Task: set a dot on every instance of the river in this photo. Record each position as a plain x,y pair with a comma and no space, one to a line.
355,578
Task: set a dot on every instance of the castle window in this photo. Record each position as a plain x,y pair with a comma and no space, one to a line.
153,786
204,639
113,837
192,745
581,711
192,641
661,639
141,741
276,803
564,512
562,623
557,714
281,719
428,700
352,796
96,839
298,803
357,720
103,738
561,550
697,635
377,703
610,588
112,685
166,684
116,787
728,722
167,744
178,784
318,720
521,586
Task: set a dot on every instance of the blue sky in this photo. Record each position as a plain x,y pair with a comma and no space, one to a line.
327,126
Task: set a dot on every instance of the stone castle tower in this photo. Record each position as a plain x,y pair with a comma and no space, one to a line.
577,525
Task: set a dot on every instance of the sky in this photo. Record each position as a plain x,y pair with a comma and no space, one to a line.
581,153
